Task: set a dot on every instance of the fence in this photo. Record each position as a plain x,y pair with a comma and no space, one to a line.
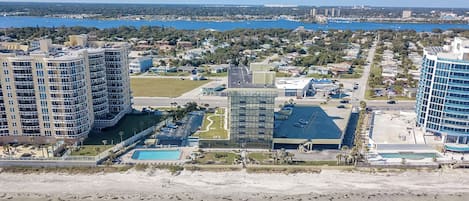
67,160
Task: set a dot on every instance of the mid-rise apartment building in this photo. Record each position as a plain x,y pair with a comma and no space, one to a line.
61,95
251,107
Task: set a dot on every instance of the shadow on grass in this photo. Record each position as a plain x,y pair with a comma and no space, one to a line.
129,124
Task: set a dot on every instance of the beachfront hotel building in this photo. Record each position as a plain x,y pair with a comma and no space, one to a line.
62,93
251,104
443,94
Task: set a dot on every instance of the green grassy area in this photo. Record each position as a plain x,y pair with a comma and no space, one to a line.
174,74
216,130
354,75
318,76
163,87
90,150
316,163
259,156
220,158
130,124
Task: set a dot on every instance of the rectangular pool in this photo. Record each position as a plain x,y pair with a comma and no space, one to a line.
163,155
410,155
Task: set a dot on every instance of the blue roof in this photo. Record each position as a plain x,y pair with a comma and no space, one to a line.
322,81
307,122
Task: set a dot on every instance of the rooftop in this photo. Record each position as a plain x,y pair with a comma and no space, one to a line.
292,83
308,122
241,77
458,50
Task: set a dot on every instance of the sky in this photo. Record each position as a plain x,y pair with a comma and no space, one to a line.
380,3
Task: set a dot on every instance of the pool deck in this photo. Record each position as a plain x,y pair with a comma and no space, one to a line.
185,153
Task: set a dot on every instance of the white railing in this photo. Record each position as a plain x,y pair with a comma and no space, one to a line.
103,155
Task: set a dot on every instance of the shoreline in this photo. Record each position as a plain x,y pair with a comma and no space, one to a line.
238,185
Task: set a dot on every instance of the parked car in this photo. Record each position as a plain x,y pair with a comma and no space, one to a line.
341,106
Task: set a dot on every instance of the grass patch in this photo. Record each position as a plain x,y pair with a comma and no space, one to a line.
286,170
163,87
315,163
223,74
319,76
174,74
90,150
129,124
220,158
212,168
217,129
67,170
259,156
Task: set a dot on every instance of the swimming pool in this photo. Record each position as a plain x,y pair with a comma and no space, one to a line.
164,155
457,148
410,155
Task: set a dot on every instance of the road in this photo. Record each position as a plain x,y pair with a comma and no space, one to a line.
216,101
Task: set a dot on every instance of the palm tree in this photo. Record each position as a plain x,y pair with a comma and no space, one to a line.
81,141
362,104
6,148
31,139
344,151
339,158
341,86
121,134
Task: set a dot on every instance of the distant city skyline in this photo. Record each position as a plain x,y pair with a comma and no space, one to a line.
383,3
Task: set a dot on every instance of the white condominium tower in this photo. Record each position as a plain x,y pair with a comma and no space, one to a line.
52,95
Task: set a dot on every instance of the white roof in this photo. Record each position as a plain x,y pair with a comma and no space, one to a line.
296,83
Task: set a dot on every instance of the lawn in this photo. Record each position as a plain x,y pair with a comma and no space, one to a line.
220,158
216,130
163,87
223,74
259,156
90,150
130,124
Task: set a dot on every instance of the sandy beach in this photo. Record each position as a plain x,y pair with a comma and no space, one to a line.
231,186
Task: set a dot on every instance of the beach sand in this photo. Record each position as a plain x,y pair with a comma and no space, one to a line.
447,185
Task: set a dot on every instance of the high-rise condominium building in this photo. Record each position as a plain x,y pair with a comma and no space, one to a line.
251,104
443,94
47,96
313,12
406,14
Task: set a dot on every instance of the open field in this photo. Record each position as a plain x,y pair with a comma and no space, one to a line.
162,87
129,124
